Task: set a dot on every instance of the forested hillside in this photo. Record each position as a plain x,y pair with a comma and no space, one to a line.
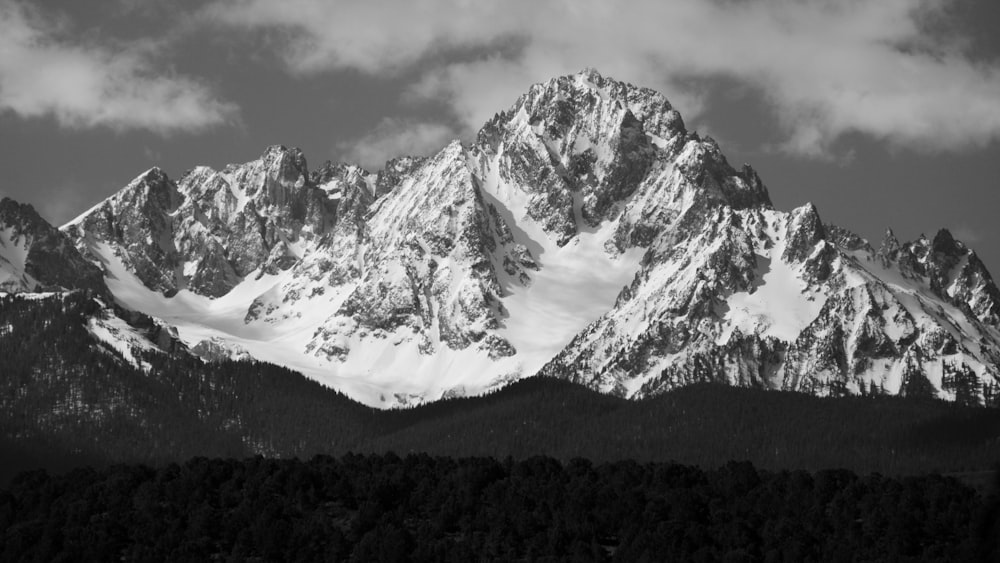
67,399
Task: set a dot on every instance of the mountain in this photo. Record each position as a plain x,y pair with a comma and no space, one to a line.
584,234
36,257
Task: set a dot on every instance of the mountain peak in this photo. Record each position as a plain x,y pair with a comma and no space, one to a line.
945,243
279,149
888,249
286,162
590,73
35,256
154,173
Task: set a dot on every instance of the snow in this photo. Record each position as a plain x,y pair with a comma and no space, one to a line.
117,334
333,189
13,256
79,218
892,378
657,140
33,296
894,330
574,286
190,268
954,276
543,318
236,192
584,80
199,318
296,320
927,309
396,365
781,304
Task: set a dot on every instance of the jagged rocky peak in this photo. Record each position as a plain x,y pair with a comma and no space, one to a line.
151,196
137,225
951,270
275,185
580,147
331,177
944,244
35,256
351,188
888,249
561,102
272,178
575,146
211,229
395,171
805,229
957,274
846,239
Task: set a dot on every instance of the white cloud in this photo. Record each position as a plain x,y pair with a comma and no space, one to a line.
88,86
396,137
826,67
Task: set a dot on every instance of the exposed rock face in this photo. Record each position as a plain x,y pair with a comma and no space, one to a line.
211,229
35,256
584,234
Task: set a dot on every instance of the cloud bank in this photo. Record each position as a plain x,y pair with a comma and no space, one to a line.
82,85
827,68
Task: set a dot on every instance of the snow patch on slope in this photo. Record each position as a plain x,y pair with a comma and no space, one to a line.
574,286
780,304
120,336
198,318
13,256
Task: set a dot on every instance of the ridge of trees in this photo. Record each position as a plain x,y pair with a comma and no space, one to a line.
424,508
66,398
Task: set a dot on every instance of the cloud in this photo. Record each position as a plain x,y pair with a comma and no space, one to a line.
826,68
83,85
396,137
365,35
966,234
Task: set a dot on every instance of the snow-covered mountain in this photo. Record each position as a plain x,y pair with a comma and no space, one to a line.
584,234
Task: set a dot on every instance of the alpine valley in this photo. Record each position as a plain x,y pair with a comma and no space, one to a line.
585,234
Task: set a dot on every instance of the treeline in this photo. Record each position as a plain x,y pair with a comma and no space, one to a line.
423,508
65,399
705,424
63,393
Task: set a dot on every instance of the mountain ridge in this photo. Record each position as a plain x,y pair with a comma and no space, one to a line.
584,234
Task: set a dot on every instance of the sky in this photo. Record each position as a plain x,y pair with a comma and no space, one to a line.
883,113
